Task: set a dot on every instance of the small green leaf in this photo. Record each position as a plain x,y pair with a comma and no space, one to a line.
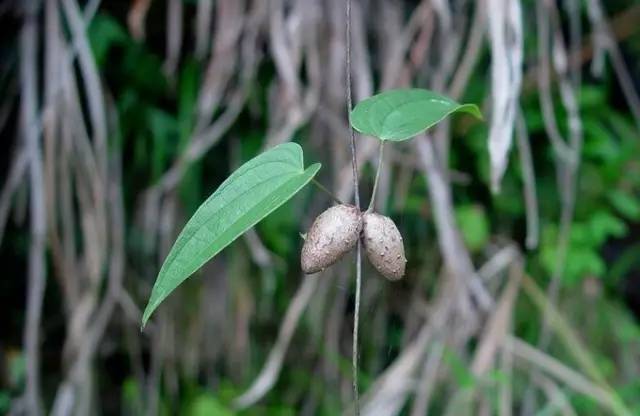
399,115
207,405
251,193
474,225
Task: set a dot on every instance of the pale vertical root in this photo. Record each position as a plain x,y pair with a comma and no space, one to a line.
529,183
203,27
505,404
17,172
389,392
605,39
92,83
493,335
567,153
498,324
174,37
137,17
471,53
428,378
271,369
505,33
560,147
456,257
36,273
293,50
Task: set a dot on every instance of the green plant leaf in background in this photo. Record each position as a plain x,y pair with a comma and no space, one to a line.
399,115
474,225
251,193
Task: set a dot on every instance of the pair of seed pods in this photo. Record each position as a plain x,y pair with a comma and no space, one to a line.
336,231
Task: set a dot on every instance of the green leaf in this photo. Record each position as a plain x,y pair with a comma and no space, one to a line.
398,115
625,203
474,226
251,193
207,405
104,32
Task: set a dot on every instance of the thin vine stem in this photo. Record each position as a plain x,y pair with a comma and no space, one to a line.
352,136
356,192
372,202
326,191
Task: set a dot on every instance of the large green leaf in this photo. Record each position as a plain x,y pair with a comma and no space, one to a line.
251,193
399,115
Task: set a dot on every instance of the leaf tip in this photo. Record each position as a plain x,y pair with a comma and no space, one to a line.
146,315
472,109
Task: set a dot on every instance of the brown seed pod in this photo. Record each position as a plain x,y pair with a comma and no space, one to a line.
383,245
332,234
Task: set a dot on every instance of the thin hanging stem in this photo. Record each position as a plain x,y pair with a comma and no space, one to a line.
326,191
375,183
352,136
354,165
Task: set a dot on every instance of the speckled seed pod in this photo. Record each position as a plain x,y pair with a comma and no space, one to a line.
383,245
332,234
